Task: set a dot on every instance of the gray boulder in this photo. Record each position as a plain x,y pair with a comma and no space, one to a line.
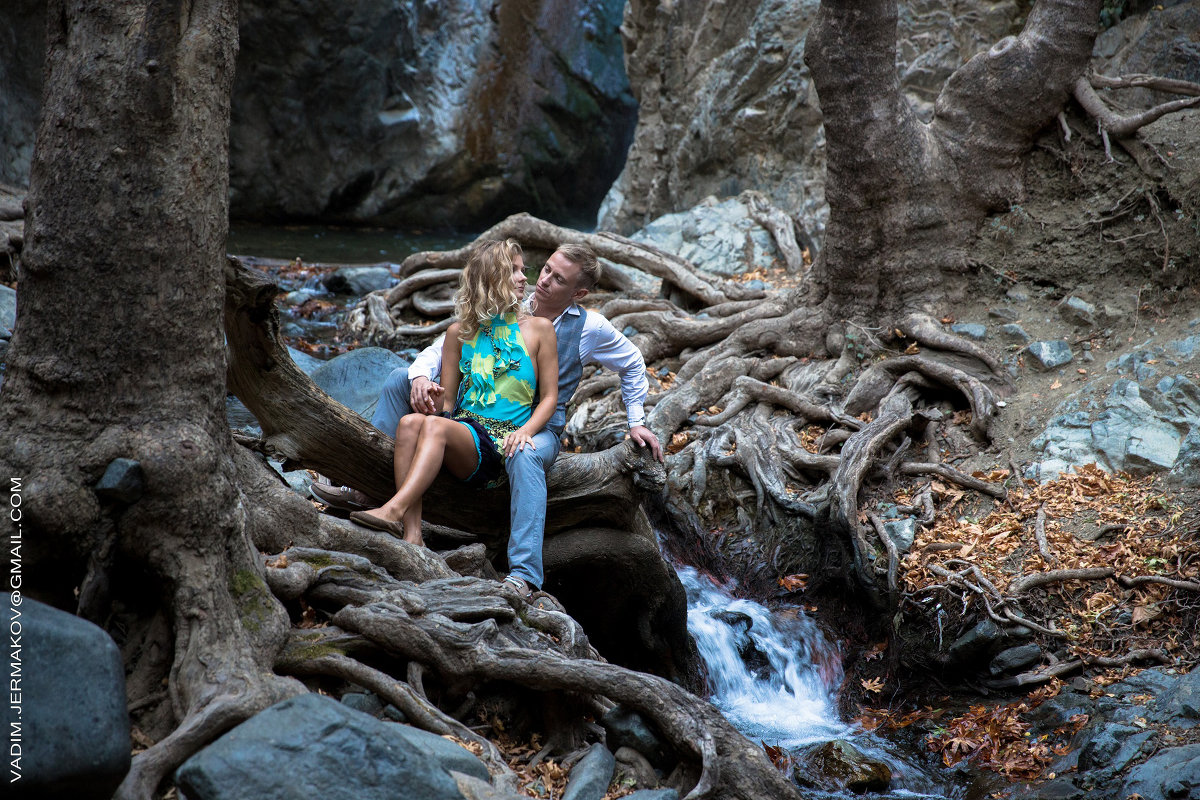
719,237
447,114
355,378
1078,311
1137,428
845,766
589,778
358,281
72,724
1170,775
313,746
712,112
972,330
1051,354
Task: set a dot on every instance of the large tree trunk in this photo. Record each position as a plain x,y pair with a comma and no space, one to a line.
905,196
118,352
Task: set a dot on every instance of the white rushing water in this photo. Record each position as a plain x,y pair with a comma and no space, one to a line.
773,675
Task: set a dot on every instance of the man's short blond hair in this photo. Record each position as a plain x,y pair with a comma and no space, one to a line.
585,258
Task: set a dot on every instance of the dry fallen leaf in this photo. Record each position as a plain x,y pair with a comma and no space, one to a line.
873,685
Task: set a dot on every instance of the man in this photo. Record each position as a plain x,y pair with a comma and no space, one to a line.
584,337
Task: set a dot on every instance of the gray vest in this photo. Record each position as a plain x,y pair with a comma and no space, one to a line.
570,368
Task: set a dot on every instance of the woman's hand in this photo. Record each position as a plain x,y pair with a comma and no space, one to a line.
516,441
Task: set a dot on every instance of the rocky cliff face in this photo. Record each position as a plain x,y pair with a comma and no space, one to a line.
22,47
449,113
421,113
726,103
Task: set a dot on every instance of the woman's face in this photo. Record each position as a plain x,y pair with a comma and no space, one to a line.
518,276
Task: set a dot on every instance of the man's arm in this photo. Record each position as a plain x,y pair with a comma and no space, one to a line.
423,373
602,344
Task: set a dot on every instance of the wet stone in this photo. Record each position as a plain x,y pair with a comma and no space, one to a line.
76,728
847,767
1168,775
1015,658
653,794
1051,354
357,281
624,727
589,778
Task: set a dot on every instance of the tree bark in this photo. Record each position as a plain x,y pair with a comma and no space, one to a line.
904,196
127,203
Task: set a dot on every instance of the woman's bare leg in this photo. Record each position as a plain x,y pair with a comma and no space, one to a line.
407,432
441,442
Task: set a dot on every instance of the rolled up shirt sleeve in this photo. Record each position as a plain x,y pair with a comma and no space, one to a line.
601,343
428,363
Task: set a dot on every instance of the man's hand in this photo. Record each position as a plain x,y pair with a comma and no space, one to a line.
426,396
644,436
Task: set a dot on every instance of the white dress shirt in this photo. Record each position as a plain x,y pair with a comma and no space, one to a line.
599,343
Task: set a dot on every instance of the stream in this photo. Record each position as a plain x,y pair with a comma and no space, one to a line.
771,672
774,675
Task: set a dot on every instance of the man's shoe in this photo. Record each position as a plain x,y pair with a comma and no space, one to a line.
523,588
342,497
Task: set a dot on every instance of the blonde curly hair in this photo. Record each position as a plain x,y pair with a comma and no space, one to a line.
485,287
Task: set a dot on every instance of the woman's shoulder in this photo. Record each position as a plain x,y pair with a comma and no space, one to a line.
538,325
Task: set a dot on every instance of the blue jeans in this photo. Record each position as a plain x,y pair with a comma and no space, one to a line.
526,480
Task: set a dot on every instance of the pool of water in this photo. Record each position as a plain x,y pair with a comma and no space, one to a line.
336,245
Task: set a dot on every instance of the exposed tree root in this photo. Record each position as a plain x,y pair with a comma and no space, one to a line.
428,279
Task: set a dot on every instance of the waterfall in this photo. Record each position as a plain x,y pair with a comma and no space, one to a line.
772,675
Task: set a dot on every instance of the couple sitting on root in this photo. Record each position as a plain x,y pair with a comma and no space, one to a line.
507,372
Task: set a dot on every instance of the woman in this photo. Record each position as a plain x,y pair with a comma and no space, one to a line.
502,356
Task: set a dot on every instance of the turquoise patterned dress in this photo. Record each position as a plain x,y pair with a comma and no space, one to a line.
499,384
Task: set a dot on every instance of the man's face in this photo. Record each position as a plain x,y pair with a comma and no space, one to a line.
518,276
557,284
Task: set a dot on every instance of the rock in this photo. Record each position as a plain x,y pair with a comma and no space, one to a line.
448,114
1078,312
590,777
902,532
653,794
1179,703
718,237
624,727
1015,332
8,308
74,741
710,111
1110,748
1130,434
366,702
122,481
1161,43
1051,354
1015,659
972,330
635,766
1017,294
977,643
843,765
357,281
307,364
355,378
329,751
1169,775
1004,312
